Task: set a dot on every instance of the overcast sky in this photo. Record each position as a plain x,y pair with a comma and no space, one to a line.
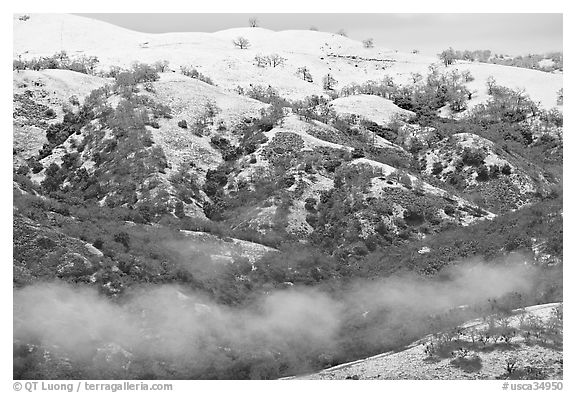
430,33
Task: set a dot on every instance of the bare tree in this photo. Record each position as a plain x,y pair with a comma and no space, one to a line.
342,32
241,43
328,82
276,60
261,61
304,73
368,43
253,22
273,60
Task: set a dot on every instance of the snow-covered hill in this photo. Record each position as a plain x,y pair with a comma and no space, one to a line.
370,107
215,55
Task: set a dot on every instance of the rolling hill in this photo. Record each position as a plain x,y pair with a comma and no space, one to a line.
266,184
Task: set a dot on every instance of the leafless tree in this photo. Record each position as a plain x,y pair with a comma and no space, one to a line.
241,43
304,73
328,82
276,60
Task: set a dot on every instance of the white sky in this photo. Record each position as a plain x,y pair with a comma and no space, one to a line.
430,33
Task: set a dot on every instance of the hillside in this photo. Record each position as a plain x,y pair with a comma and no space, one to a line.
523,355
219,202
214,54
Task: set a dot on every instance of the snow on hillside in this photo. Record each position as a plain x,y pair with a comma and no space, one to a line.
313,187
445,154
187,99
539,85
221,250
37,92
188,96
370,107
59,84
214,54
294,125
411,362
380,184
46,34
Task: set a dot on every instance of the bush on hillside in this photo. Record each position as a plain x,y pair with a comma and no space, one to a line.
328,82
194,73
304,73
368,43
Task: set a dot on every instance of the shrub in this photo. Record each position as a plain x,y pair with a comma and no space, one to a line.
505,105
183,124
494,171
310,204
437,168
490,84
560,97
304,73
126,80
328,82
144,73
194,73
83,64
74,100
267,95
473,157
482,174
553,117
98,243
161,65
368,43
448,57
149,87
416,77
467,75
122,238
511,364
